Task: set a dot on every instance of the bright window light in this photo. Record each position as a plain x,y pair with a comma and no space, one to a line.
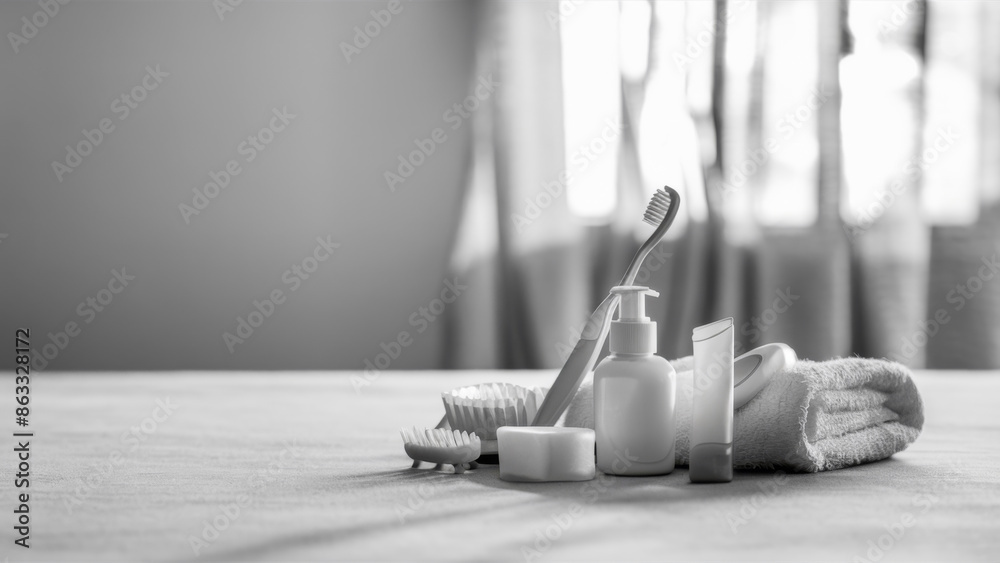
635,20
949,161
787,188
592,106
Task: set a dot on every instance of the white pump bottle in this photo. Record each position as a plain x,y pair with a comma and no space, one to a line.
634,395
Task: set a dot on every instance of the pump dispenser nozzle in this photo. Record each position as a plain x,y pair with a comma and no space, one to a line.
632,332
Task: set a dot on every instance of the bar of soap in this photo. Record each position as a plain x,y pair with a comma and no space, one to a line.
537,454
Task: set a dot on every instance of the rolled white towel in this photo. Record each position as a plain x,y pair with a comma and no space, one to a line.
816,416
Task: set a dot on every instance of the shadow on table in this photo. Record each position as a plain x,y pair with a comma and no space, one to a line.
673,490
676,487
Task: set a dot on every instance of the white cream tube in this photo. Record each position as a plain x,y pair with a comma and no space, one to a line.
712,407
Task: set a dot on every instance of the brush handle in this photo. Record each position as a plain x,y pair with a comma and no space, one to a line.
578,365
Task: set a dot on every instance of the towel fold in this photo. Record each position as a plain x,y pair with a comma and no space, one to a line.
816,416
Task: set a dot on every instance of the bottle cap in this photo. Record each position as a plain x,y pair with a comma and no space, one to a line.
632,332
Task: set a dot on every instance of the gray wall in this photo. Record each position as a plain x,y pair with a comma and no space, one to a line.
323,175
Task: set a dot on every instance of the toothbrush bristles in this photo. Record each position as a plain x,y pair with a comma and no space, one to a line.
657,208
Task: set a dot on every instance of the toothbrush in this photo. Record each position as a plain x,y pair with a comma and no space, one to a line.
660,213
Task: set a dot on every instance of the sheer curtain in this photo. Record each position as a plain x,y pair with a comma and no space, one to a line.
838,164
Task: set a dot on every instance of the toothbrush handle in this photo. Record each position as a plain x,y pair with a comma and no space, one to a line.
578,365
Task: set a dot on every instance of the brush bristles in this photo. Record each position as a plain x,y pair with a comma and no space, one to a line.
437,437
656,211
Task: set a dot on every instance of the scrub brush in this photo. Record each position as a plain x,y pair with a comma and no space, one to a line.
441,446
483,408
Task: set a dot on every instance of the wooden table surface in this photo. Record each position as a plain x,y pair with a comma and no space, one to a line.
309,467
